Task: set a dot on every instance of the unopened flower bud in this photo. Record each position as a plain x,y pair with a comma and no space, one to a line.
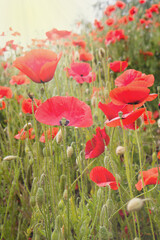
154,156
59,137
27,126
69,151
120,150
61,204
118,178
40,197
101,53
33,201
20,114
158,122
62,183
93,101
99,193
65,194
9,158
136,204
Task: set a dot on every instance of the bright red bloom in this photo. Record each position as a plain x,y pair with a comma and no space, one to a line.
76,112
24,134
147,118
113,36
57,34
155,114
118,66
120,4
102,177
158,155
81,72
38,64
79,43
19,80
96,145
133,11
150,177
142,1
110,21
5,65
128,119
49,134
130,18
2,105
131,75
98,25
27,105
5,92
132,95
109,10
85,56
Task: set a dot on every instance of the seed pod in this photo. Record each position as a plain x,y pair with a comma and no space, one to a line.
59,137
120,150
40,197
9,158
69,151
135,204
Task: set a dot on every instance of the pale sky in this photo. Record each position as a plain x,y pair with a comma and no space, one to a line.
32,18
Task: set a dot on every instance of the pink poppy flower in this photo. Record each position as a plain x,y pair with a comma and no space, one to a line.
81,72
54,110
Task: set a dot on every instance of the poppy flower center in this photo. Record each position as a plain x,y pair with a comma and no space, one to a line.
81,75
64,122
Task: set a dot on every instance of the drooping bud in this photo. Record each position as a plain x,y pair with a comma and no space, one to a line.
136,204
120,150
40,197
69,151
101,53
27,126
59,136
9,158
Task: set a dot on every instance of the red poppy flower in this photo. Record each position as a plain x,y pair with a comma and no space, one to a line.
85,56
113,36
120,4
75,112
130,18
19,80
150,177
81,72
109,10
24,134
2,105
133,10
48,133
79,43
5,65
27,105
158,155
38,64
98,25
110,21
131,75
57,34
127,119
5,92
102,177
96,145
142,1
123,20
132,95
118,66
147,118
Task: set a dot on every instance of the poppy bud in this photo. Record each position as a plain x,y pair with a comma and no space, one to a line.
136,238
61,204
27,126
65,194
59,137
62,183
120,114
20,114
135,204
40,197
69,151
118,178
158,122
104,234
55,234
31,96
110,206
76,56
93,101
139,122
33,201
42,179
9,158
154,156
99,193
42,90
120,150
1,106
101,53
